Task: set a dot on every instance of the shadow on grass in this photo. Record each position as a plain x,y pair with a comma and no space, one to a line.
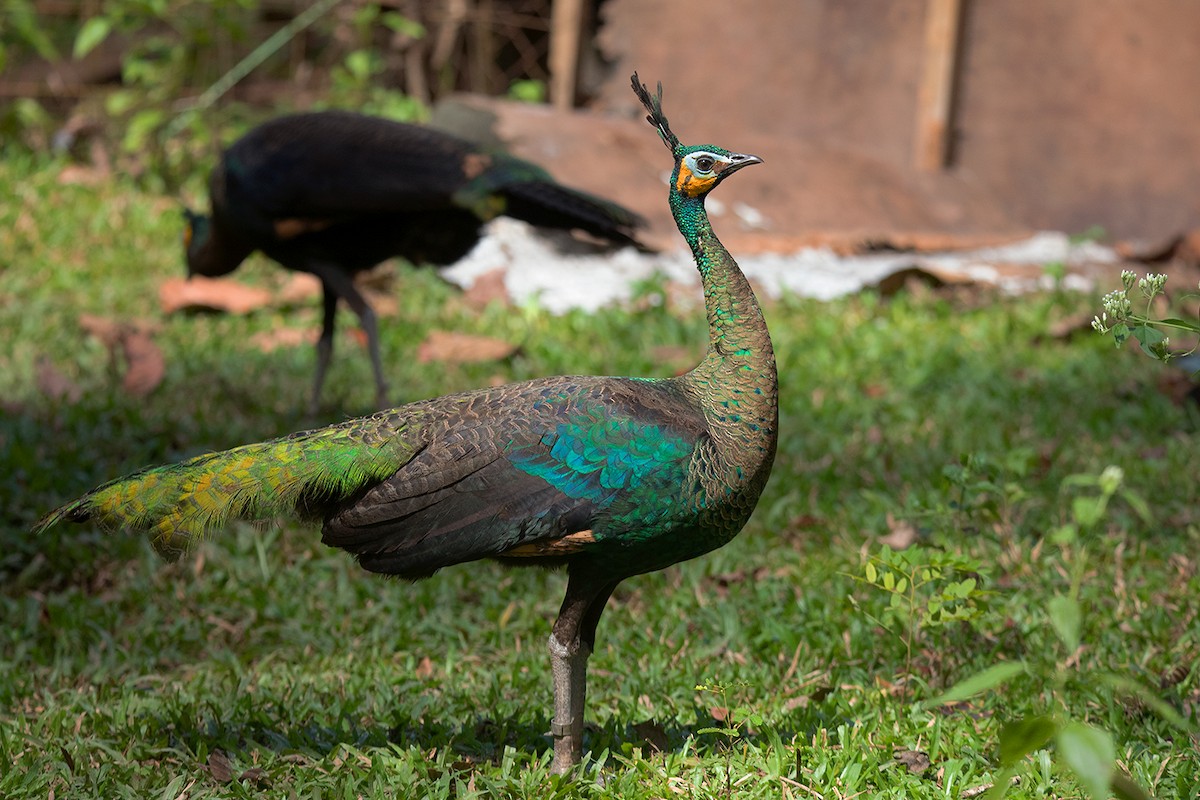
485,739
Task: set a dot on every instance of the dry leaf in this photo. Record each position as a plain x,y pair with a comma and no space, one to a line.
54,384
108,331
218,294
144,364
462,348
719,713
384,304
916,761
269,341
80,175
299,290
220,767
901,534
424,669
488,288
256,774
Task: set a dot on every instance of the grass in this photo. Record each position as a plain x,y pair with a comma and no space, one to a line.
267,665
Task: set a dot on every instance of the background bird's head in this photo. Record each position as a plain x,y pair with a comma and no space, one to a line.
698,168
195,235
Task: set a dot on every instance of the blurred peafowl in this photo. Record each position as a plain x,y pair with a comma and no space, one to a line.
609,477
333,193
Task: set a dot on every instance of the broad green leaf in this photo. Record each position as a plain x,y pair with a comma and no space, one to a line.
902,584
1019,739
1120,333
1090,754
1186,325
402,24
1125,788
1146,695
990,678
889,581
872,574
1067,618
1087,510
1000,783
1147,337
93,32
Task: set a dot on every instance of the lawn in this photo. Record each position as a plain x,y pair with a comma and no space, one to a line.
265,665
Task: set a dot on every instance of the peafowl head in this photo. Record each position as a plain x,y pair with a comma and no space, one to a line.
698,168
195,236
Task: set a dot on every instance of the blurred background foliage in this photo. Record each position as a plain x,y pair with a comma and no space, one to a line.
143,86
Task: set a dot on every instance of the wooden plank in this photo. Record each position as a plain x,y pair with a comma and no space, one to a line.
566,30
936,92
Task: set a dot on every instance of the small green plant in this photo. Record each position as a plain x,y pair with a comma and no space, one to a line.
736,719
527,91
1088,750
1123,322
927,588
983,488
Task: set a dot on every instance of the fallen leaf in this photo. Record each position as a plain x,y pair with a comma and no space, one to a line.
52,383
384,304
901,534
80,175
220,767
300,289
269,341
424,669
719,713
256,774
462,348
217,294
488,288
144,364
108,331
916,761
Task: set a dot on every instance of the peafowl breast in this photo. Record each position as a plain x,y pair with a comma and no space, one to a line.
333,193
607,477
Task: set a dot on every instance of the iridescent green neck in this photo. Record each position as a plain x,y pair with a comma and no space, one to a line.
737,332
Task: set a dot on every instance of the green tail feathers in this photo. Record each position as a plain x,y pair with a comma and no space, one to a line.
179,504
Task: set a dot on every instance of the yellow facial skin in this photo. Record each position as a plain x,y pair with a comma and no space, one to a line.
691,184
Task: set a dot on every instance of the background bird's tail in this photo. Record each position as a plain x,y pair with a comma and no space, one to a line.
298,475
527,192
552,205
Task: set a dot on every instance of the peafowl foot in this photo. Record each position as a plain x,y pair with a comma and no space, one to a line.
568,663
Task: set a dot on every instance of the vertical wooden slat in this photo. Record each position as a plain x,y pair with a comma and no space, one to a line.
566,28
936,92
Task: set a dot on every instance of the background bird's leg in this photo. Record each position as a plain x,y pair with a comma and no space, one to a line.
571,642
343,286
324,345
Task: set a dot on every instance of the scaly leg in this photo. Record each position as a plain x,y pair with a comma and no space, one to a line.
571,643
342,286
324,345
568,662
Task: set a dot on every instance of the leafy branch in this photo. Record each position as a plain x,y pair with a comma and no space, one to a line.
1121,320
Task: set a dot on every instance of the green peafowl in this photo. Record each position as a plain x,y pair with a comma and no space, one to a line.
609,477
333,193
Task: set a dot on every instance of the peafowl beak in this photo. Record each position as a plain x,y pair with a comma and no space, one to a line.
739,160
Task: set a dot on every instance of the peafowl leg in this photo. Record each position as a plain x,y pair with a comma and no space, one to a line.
324,346
571,643
342,285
